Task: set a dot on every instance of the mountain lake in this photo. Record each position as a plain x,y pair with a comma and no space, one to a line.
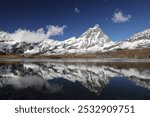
75,79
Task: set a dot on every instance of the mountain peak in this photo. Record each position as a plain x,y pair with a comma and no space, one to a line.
96,26
91,31
144,35
94,36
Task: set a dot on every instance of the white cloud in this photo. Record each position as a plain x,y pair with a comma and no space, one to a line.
76,10
55,30
33,36
119,17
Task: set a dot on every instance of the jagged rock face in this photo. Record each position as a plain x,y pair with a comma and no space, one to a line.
139,40
145,35
94,36
10,46
88,42
91,41
21,47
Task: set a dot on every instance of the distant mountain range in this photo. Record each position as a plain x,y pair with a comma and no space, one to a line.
92,41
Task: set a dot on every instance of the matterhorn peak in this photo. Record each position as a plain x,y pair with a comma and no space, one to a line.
89,32
95,36
96,26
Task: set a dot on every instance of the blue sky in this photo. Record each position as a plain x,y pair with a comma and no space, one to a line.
119,19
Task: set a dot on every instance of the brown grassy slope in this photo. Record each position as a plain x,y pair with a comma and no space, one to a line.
10,56
138,53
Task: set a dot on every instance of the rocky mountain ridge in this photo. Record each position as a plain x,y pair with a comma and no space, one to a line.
91,41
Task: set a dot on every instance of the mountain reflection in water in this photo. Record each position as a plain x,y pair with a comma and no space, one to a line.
74,80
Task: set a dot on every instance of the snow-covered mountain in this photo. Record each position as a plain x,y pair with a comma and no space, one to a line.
91,41
137,41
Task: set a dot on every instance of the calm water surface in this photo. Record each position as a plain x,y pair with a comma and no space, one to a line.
74,80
